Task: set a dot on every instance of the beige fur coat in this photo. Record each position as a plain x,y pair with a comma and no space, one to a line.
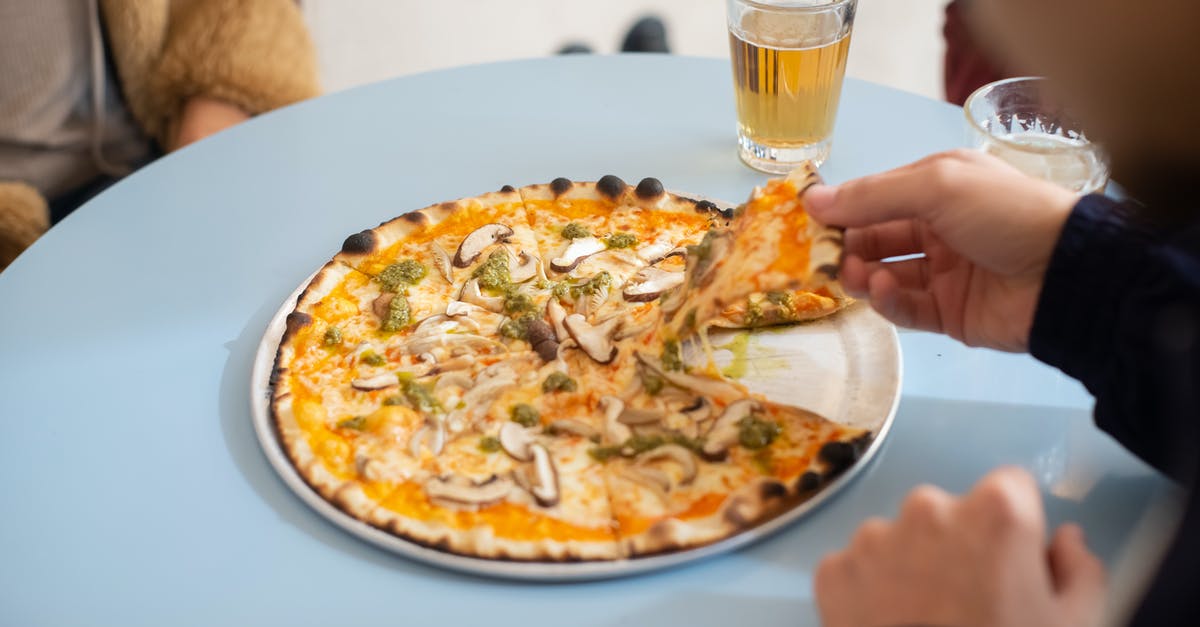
255,54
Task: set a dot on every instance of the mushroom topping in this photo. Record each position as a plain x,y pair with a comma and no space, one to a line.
456,379
633,330
541,337
636,416
614,430
596,341
724,432
578,250
545,490
573,427
649,283
699,411
526,268
471,294
462,491
426,343
712,388
675,453
654,479
653,253
456,308
557,316
381,304
474,244
441,261
516,441
431,436
377,382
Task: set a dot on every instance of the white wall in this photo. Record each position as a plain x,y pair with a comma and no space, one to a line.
896,42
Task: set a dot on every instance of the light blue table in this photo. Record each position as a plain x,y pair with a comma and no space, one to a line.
135,493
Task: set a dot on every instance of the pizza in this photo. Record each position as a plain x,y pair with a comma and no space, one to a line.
498,377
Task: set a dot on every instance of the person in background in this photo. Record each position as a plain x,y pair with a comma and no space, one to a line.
91,90
967,66
1108,292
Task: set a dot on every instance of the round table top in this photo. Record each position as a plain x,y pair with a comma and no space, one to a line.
136,493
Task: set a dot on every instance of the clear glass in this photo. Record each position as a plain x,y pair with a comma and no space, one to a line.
1018,120
789,59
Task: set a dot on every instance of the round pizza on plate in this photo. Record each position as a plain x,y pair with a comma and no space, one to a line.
499,376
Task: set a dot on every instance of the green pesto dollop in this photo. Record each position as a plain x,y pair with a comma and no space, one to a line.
518,328
399,315
652,383
672,359
575,230
755,433
786,302
560,289
333,336
419,396
489,444
494,274
600,281
754,312
397,275
395,399
638,444
371,358
701,255
518,302
604,453
357,423
620,240
558,382
524,414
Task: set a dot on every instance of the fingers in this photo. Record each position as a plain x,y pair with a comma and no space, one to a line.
1079,577
911,192
1009,501
880,241
912,308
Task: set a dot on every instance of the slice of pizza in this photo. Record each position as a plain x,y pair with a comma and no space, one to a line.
783,307
702,459
771,246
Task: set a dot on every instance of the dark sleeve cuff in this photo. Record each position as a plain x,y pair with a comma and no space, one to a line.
1100,253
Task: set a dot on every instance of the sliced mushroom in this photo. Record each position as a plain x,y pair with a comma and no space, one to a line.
424,344
377,382
578,250
456,308
525,268
471,294
516,441
724,432
653,253
441,261
654,479
699,411
593,301
573,427
431,436
614,430
636,416
541,337
650,283
487,388
381,304
453,379
557,315
596,341
474,244
462,491
633,330
545,489
675,453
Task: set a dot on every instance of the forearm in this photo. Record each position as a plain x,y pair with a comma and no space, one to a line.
1120,311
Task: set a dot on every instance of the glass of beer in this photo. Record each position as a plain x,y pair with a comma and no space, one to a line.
789,58
1019,121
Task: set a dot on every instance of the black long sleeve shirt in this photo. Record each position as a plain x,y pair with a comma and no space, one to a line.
1120,312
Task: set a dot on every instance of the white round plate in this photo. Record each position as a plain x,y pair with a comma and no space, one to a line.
845,367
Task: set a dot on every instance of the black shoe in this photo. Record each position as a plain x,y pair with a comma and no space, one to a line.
575,48
648,34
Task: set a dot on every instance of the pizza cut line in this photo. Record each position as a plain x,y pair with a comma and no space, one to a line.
499,376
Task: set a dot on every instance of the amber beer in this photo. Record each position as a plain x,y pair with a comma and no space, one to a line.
788,63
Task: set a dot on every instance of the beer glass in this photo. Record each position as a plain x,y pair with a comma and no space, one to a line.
1017,120
789,58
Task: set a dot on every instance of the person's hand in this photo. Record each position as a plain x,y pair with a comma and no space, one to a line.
202,117
986,230
975,561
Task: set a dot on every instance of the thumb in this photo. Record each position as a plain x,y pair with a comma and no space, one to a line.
910,192
1079,577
